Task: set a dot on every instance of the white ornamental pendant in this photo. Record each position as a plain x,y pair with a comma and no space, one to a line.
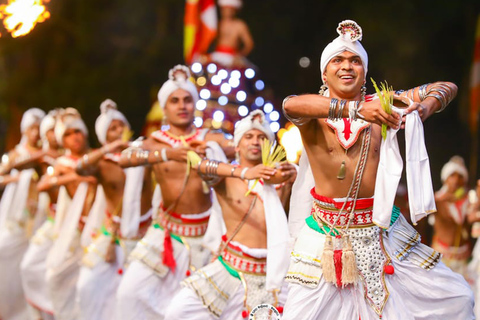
347,131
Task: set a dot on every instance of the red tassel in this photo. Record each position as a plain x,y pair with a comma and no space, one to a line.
244,313
168,258
337,260
280,309
389,269
120,271
188,273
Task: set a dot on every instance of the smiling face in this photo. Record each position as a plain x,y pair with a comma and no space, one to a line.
180,108
344,76
250,146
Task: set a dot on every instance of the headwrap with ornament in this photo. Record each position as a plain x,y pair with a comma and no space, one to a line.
456,164
255,120
48,123
108,113
349,38
178,78
69,119
30,117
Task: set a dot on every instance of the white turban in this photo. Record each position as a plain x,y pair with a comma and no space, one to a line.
30,117
48,123
178,79
69,119
237,4
455,165
108,113
349,38
255,120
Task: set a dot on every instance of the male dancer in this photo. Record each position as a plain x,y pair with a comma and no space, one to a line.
128,195
63,259
256,232
33,266
173,244
18,205
349,262
451,229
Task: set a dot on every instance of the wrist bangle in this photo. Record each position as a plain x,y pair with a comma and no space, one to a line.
163,152
242,174
233,170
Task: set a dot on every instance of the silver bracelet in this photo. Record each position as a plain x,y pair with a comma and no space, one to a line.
296,121
332,109
422,91
340,109
242,174
232,171
163,153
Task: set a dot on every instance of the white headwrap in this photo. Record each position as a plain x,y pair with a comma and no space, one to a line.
69,119
178,78
30,117
108,113
255,120
456,164
237,4
349,38
48,123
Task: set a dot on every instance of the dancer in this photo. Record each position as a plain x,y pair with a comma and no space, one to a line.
173,243
355,257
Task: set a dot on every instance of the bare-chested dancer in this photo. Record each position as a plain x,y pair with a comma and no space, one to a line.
173,244
344,266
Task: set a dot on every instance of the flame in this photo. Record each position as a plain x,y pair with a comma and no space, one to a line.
21,16
291,140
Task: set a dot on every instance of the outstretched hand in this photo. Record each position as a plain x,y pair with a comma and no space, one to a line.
260,172
178,154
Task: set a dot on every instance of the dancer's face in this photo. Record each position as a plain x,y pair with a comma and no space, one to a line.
344,76
455,181
115,130
74,140
33,134
180,109
250,146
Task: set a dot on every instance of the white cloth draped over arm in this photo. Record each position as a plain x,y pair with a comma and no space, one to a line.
7,198
389,172
301,199
95,217
421,197
156,200
68,227
132,201
63,203
278,254
17,210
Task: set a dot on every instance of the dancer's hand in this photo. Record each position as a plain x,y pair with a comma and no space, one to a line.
178,154
260,172
373,112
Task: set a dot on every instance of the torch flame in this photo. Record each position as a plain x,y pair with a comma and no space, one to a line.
21,16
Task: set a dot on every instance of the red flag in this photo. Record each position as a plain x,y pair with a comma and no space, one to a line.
200,27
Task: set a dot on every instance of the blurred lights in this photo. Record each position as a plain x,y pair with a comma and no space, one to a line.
249,73
235,74
275,126
198,122
218,116
260,85
201,105
212,68
274,116
234,82
304,62
205,94
242,111
291,140
223,74
259,101
268,107
222,100
201,81
225,88
216,80
196,67
241,96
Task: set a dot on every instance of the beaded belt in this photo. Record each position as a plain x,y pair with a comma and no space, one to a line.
240,261
186,225
327,209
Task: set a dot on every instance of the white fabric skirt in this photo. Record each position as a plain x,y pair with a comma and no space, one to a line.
414,292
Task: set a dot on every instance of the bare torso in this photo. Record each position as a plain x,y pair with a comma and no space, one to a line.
446,229
325,155
231,32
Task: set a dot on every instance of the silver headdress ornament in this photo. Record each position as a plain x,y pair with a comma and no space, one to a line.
179,73
350,28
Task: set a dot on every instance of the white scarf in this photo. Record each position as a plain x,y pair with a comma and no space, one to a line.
419,181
